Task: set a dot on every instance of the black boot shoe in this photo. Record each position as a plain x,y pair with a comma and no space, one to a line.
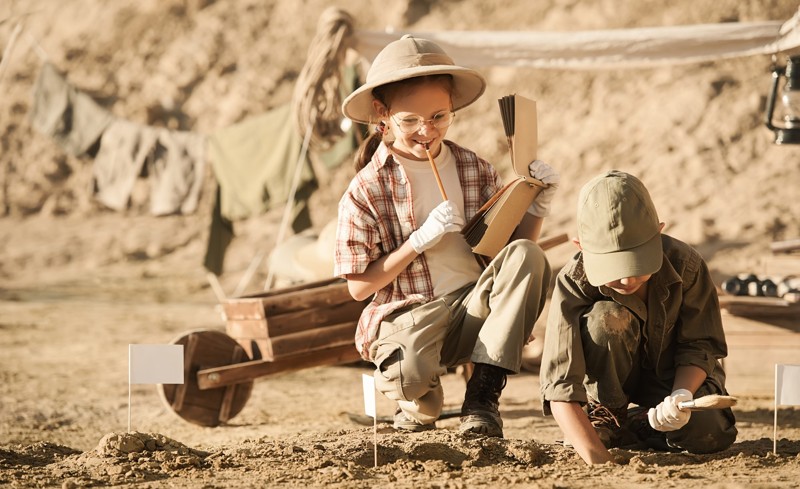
480,412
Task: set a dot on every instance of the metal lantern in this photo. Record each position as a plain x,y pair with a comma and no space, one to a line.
789,133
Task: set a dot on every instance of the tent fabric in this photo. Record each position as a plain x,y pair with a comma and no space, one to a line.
603,49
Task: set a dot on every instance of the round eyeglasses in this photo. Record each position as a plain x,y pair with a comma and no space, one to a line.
411,123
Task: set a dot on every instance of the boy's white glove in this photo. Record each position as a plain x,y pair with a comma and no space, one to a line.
667,416
544,172
444,218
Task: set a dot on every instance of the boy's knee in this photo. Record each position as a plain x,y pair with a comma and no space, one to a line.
609,318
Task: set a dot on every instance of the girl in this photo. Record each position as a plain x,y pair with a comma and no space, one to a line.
433,305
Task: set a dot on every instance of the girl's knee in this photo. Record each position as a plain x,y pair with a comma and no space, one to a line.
399,377
527,255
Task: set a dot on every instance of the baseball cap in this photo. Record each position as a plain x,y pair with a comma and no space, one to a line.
618,228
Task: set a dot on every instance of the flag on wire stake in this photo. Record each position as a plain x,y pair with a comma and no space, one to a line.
153,364
368,384
787,393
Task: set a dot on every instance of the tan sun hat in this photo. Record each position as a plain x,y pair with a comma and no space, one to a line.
409,57
618,229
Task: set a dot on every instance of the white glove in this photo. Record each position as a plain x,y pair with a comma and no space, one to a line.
667,416
443,219
544,172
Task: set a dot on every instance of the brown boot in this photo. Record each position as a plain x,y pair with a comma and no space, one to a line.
480,413
610,426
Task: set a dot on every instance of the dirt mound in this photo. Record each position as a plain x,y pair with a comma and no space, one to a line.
345,458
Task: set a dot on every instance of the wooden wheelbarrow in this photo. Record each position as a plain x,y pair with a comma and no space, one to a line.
289,329
310,325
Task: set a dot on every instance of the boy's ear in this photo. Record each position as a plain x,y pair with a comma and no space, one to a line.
661,226
577,243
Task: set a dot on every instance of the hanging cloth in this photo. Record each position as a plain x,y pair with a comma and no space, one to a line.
68,115
254,164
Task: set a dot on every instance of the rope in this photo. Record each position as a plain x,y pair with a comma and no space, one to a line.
317,96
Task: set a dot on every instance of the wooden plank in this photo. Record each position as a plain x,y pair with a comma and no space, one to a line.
213,378
251,335
552,241
790,341
786,246
759,306
189,353
313,294
295,288
314,339
243,309
307,299
246,329
298,321
228,398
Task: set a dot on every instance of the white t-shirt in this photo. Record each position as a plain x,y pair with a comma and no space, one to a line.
450,261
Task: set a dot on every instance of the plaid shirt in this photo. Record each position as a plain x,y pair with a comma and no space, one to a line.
376,217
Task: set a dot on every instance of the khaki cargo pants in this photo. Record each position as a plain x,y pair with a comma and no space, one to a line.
487,322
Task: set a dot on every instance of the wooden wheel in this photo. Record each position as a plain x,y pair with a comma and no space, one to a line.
204,349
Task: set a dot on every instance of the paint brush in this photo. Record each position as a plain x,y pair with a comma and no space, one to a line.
711,401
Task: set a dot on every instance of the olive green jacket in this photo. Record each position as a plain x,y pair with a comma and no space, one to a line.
681,322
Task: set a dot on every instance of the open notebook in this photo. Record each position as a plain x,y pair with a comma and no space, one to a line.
491,228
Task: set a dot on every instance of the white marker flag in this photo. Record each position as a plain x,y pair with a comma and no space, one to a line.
787,393
368,382
155,364
787,385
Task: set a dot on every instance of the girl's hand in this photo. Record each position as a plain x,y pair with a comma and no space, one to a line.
544,172
443,219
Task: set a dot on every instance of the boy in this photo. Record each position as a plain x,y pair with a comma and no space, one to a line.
634,318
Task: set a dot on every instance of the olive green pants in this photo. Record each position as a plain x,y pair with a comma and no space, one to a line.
615,376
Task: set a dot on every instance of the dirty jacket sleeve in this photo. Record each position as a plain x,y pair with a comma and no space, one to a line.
563,366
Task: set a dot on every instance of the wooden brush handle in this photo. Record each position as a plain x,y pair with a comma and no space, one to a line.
713,401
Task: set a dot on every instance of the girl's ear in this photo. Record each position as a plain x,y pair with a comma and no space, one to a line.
380,109
577,242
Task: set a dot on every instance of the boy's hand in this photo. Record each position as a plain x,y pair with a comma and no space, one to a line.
667,416
444,218
544,172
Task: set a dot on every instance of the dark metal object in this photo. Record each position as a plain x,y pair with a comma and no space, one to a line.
789,132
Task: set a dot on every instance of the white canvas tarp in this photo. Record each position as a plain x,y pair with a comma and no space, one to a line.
602,49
